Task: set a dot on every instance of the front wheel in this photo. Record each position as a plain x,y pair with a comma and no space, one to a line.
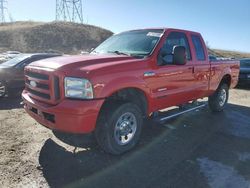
219,99
119,127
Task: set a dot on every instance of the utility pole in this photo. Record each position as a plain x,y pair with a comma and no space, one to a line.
2,11
69,10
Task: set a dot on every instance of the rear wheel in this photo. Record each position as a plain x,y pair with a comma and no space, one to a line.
219,99
119,127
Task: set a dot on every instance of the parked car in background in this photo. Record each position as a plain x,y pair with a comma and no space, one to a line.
12,72
212,58
12,54
244,77
8,55
3,58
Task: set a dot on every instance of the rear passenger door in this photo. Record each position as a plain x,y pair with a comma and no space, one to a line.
201,71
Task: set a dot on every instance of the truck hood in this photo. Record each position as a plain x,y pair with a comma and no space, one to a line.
86,62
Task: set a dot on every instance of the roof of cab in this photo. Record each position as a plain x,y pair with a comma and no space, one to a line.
164,30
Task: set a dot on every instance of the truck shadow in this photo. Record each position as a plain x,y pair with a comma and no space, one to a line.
161,149
7,103
61,167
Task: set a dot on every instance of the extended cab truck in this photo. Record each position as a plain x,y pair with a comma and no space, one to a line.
124,80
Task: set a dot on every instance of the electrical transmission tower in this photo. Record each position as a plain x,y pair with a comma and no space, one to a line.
3,10
69,10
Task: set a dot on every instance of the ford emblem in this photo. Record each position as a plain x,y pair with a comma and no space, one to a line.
33,83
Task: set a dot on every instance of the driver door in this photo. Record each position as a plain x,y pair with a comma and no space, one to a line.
172,84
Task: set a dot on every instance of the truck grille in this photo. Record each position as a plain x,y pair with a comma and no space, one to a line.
42,85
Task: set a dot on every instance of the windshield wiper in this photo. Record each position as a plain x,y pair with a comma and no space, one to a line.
119,53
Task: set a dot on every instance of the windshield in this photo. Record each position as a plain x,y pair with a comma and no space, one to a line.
15,60
140,42
245,63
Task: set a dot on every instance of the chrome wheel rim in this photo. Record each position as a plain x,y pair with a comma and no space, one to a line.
125,128
2,90
222,97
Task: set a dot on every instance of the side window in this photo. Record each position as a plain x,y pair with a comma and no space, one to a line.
199,50
25,63
177,38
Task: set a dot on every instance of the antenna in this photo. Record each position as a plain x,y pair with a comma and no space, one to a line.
69,10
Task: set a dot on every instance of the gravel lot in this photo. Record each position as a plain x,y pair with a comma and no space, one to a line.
199,149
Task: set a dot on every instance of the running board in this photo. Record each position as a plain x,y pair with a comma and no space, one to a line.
164,116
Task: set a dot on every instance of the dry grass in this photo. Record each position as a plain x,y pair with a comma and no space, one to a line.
55,36
18,25
228,54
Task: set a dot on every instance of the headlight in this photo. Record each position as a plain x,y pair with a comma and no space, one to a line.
78,88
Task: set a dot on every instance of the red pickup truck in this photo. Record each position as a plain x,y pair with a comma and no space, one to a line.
127,78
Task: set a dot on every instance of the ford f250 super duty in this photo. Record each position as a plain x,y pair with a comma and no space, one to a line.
127,78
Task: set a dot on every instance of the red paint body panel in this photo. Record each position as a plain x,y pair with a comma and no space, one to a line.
170,85
70,116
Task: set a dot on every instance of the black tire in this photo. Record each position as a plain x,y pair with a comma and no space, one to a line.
107,131
218,100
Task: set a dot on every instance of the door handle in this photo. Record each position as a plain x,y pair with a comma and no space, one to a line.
149,74
191,68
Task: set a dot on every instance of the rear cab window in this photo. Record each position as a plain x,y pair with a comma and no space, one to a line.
199,49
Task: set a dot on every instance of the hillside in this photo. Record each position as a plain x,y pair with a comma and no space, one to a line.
229,54
65,37
57,36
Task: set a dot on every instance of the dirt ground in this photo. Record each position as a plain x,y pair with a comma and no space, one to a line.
199,149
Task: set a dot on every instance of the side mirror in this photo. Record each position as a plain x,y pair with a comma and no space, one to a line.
176,57
179,53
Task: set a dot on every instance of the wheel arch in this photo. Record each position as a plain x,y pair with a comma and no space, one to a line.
129,94
226,79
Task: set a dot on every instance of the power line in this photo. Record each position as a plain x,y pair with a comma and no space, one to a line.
69,10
